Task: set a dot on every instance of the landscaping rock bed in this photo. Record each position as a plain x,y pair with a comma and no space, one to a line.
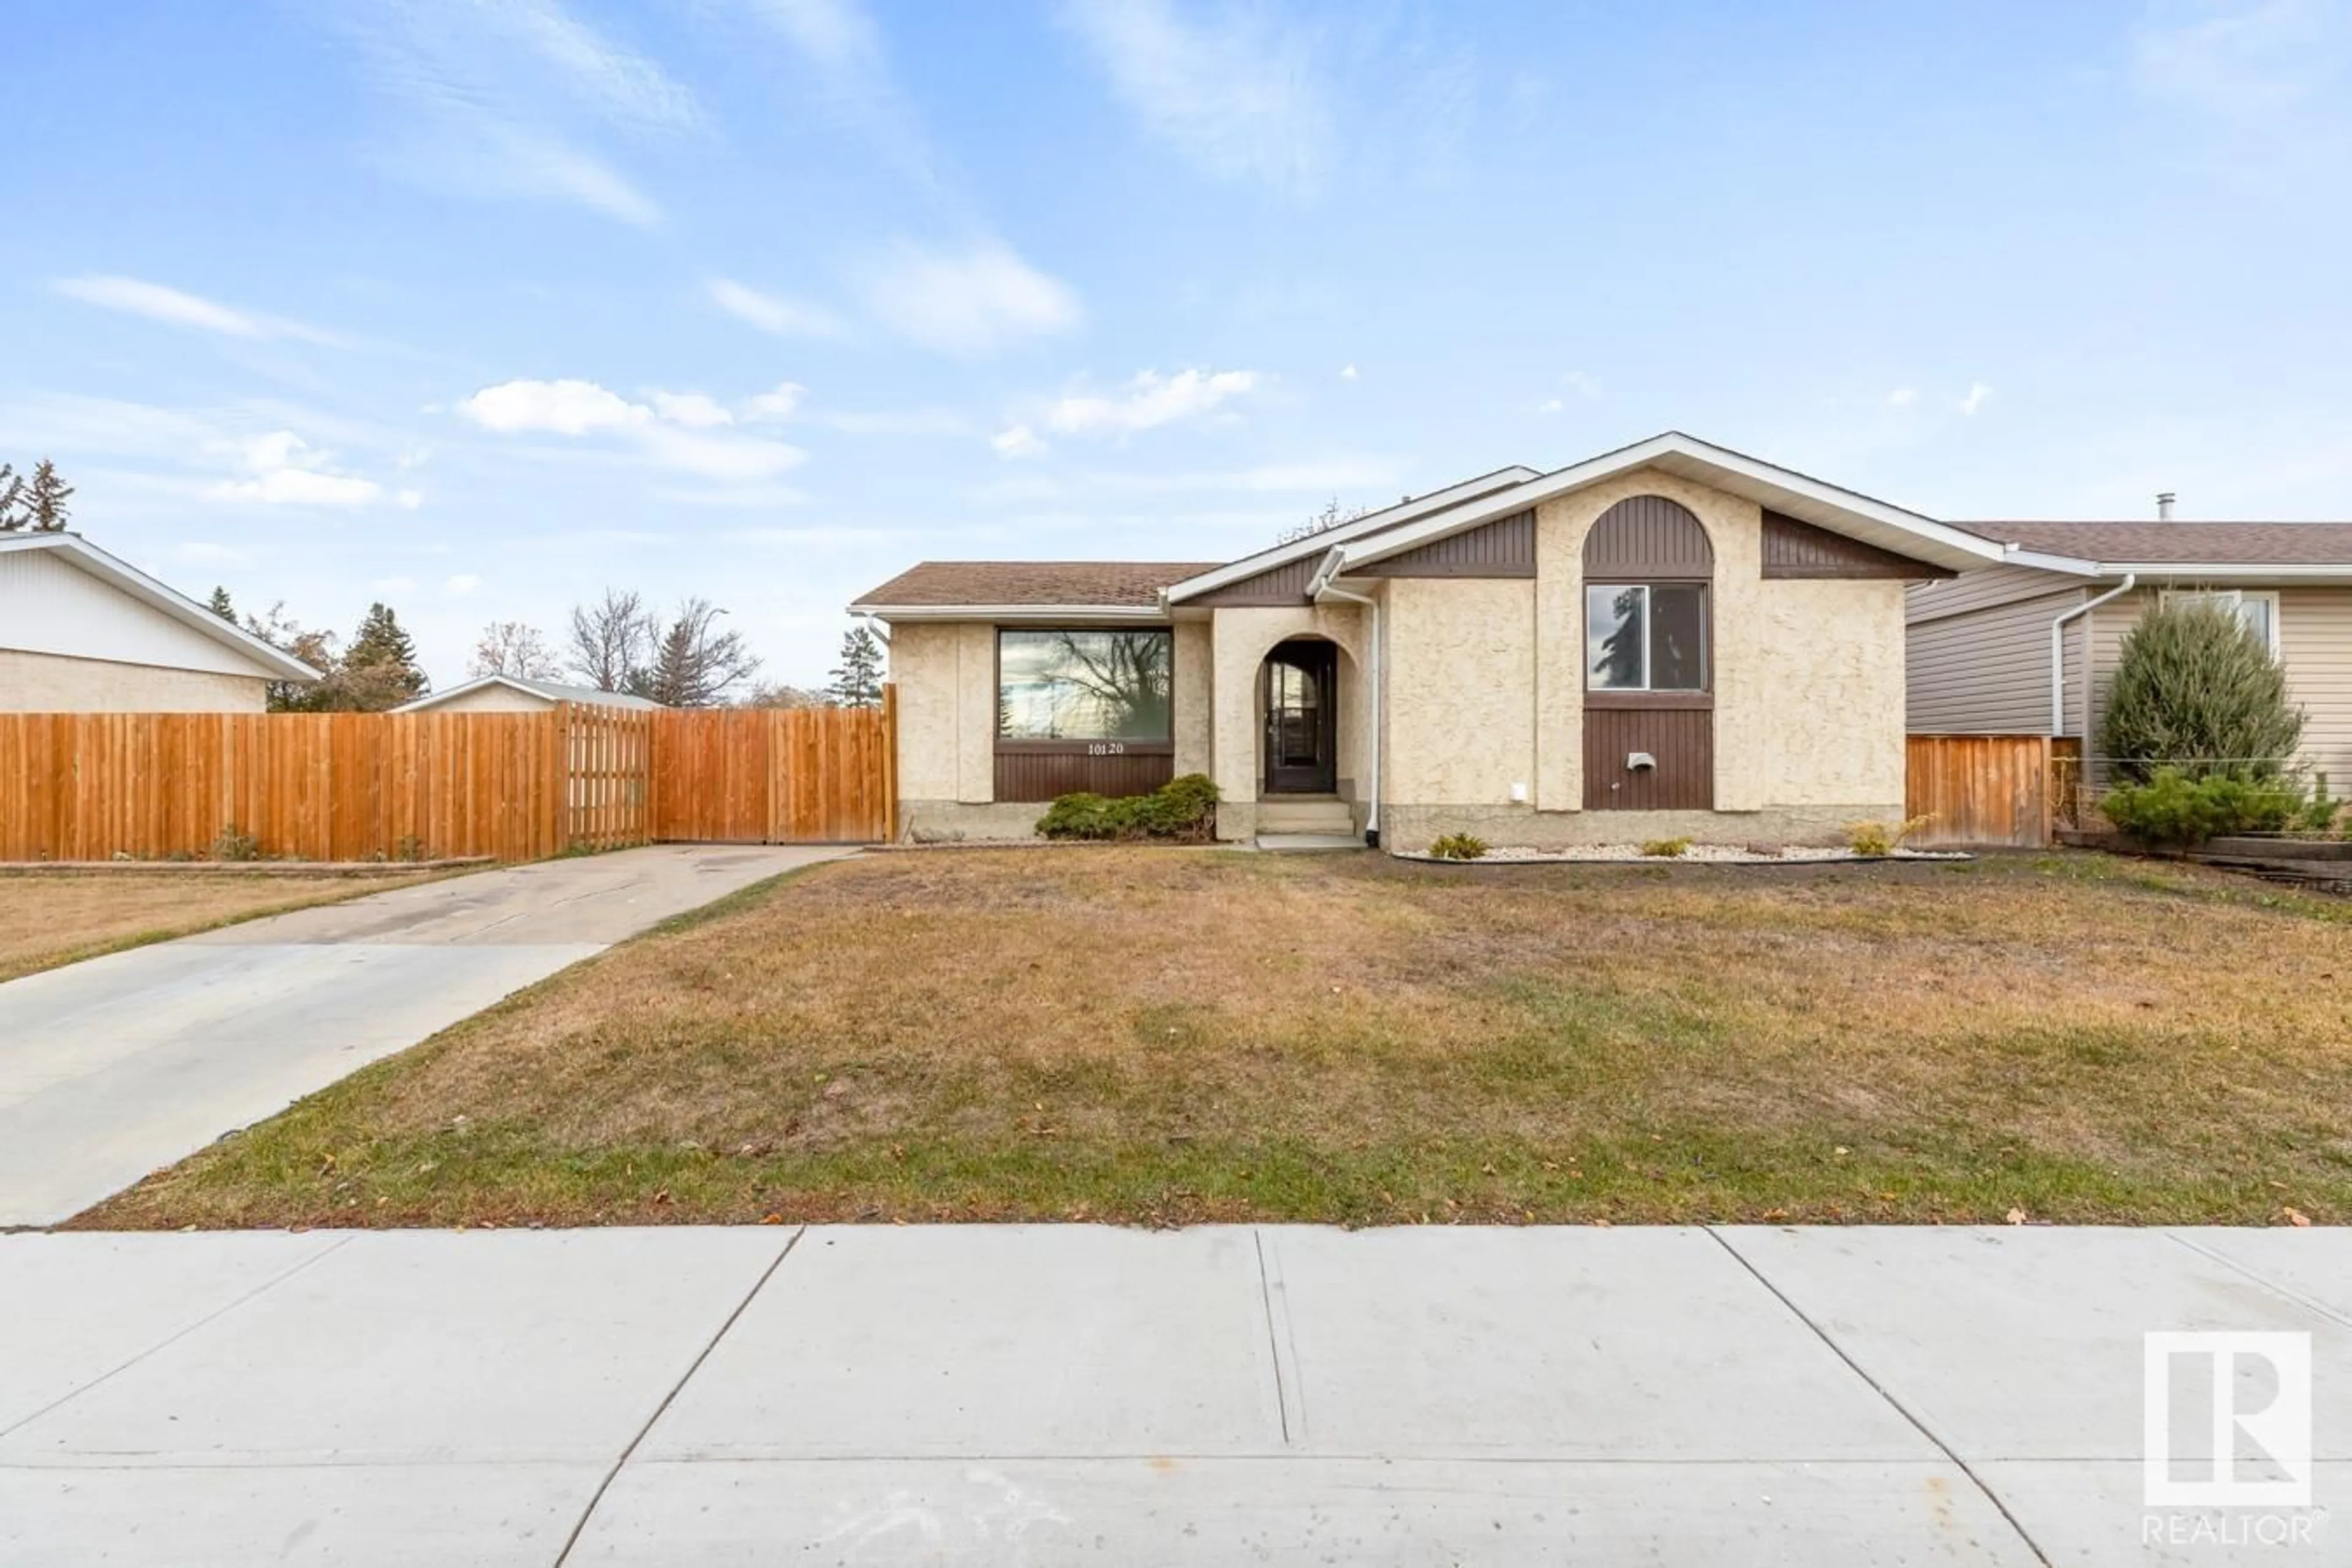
1713,854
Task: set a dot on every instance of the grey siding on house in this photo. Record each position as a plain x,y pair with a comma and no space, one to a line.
1987,671
1981,590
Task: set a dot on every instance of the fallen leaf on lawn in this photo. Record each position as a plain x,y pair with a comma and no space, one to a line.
772,1220
2295,1218
2016,1216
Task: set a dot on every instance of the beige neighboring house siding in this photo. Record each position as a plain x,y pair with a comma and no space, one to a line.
1460,664
2315,645
493,699
56,683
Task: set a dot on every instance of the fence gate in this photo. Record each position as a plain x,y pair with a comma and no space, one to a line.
1983,790
794,776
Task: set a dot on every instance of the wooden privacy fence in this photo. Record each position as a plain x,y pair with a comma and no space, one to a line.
1983,790
395,786
791,775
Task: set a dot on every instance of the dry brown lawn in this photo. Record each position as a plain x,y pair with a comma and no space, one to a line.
1164,1036
49,917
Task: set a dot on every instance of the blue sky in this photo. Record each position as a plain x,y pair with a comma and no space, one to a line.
478,306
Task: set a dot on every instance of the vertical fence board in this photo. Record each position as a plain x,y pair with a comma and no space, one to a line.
1983,791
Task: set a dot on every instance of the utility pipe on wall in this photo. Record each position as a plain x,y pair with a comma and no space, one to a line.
1372,745
2058,658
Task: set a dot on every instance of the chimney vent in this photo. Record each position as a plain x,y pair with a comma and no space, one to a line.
2164,506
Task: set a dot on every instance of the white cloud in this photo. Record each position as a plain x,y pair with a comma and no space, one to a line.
1550,405
2239,57
567,407
1584,384
1903,397
1977,395
462,585
1150,399
1347,372
678,430
1235,95
695,410
969,302
780,403
840,42
157,303
1017,441
773,313
503,99
286,471
410,500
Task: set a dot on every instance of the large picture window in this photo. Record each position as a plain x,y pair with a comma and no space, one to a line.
1085,685
1646,636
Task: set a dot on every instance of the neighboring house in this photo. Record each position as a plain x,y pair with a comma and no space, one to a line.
82,632
514,694
2031,645
1669,639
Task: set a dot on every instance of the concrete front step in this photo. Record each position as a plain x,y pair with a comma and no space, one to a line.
1312,815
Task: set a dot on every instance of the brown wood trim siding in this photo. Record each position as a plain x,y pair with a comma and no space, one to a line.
1794,548
1649,699
1283,584
1503,548
1041,775
1681,739
1647,538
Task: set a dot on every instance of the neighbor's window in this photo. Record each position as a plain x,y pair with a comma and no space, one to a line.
2259,611
1084,685
1646,636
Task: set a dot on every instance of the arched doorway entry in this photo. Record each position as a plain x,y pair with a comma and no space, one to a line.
1301,684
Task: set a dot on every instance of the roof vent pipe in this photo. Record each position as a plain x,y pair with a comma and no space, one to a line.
2164,506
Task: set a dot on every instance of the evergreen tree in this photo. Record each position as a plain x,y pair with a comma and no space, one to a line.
857,679
12,500
220,605
695,664
380,669
45,509
2196,688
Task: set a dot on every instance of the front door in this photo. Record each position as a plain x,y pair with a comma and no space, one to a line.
1301,714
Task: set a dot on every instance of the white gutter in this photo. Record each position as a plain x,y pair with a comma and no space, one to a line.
1316,589
2058,658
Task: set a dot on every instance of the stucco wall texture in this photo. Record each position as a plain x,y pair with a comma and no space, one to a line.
1484,690
55,683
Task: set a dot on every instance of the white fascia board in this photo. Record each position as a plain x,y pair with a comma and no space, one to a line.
122,575
894,613
1371,522
1686,457
2230,572
2070,566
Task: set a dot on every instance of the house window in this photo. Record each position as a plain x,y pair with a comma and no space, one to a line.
1646,636
1085,685
2258,612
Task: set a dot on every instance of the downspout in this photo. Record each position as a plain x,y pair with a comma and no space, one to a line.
1316,590
2058,660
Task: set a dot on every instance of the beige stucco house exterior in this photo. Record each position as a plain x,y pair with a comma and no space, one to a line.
1669,639
2031,645
518,694
83,632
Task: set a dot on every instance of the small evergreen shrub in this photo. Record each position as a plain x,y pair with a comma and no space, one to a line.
1878,839
2173,810
2196,690
2318,813
1666,849
1184,809
1459,846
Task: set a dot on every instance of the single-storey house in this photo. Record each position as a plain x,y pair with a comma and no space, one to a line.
2031,645
83,632
518,694
1669,639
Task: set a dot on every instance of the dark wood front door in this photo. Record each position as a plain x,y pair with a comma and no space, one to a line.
1301,719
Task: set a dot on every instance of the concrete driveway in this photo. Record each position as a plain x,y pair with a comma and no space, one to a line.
115,1066
1075,1395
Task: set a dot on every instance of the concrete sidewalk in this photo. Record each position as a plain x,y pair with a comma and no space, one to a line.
1051,1396
114,1067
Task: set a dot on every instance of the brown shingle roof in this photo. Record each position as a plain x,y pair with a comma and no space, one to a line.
2186,544
947,585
